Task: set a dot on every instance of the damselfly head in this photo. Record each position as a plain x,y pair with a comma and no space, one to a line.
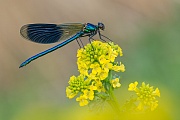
101,26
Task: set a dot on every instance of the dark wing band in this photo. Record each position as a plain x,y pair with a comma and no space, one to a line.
49,33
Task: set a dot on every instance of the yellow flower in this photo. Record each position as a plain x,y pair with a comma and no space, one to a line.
100,87
120,51
83,68
156,92
92,87
79,53
107,66
118,68
113,55
89,94
95,68
70,94
146,95
103,74
116,48
122,67
133,86
92,76
103,60
76,84
115,83
82,100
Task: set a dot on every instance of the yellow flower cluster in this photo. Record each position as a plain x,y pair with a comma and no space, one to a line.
95,63
146,95
76,85
99,57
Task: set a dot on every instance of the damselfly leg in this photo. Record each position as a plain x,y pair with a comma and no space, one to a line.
100,36
78,43
81,45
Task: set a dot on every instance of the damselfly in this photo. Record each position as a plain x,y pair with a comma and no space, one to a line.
51,33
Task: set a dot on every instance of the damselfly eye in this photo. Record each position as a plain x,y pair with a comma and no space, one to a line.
101,26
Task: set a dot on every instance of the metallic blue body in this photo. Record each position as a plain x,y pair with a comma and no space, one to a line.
50,49
90,28
51,33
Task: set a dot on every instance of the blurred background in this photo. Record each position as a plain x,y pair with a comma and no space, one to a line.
147,31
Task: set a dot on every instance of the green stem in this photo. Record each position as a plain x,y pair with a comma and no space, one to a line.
113,101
